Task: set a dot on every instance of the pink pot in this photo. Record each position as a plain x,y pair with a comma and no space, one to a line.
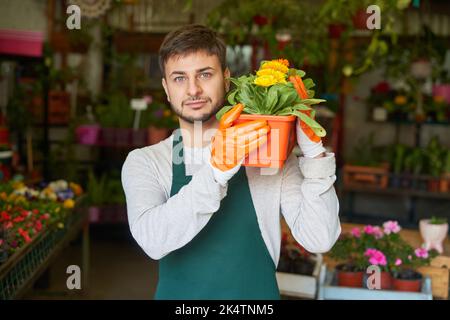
442,90
87,134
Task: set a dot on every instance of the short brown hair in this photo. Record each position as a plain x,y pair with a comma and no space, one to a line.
189,39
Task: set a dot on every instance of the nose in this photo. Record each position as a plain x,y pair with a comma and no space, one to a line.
194,88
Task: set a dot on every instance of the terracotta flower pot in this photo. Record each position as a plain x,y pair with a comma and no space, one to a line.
410,281
433,234
360,19
348,278
335,30
280,141
386,281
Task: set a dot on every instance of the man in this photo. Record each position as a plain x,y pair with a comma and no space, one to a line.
213,223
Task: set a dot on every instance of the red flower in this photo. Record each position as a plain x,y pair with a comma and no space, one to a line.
25,235
38,226
18,219
35,211
5,216
25,213
9,225
382,87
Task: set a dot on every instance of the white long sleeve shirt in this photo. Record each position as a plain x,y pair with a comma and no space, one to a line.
302,191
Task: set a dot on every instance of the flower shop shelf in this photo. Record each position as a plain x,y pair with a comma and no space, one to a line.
300,286
21,270
329,290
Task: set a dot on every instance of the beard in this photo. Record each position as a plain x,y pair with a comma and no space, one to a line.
203,117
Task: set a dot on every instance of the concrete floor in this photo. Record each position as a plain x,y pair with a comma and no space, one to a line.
119,269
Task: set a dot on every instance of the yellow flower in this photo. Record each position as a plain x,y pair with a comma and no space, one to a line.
268,77
280,65
3,196
60,225
76,188
166,113
400,100
68,204
265,81
18,185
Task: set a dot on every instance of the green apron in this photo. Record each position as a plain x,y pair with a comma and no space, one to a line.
228,258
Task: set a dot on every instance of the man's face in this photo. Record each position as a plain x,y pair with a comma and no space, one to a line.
195,85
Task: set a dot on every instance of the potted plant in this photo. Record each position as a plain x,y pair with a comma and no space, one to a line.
413,165
116,119
435,163
95,195
88,130
405,274
279,95
433,232
159,121
445,180
366,167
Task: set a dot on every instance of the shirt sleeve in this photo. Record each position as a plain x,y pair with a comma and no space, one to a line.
160,224
309,202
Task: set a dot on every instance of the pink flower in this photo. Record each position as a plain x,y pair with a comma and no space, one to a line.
368,229
370,252
398,262
374,231
376,257
391,227
421,253
409,257
356,232
148,99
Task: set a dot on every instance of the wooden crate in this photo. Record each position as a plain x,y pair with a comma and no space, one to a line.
439,274
356,176
300,286
329,290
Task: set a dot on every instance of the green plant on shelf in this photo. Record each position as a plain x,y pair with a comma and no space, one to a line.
447,162
414,161
438,220
398,163
365,153
96,189
103,190
435,157
116,112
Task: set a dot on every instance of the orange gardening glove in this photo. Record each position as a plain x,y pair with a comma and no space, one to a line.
232,144
309,142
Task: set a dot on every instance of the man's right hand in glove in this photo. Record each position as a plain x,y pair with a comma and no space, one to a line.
232,144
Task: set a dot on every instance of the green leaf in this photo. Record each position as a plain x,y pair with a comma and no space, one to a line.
308,83
223,111
311,93
231,97
271,100
312,101
314,125
301,107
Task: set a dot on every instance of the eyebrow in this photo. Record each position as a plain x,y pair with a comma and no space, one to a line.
197,71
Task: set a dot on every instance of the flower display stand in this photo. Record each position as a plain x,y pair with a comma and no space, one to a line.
329,290
300,286
21,270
